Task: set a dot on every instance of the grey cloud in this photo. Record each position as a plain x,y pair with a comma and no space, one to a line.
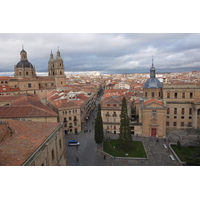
112,53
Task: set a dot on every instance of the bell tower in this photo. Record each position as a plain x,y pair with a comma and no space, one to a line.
56,69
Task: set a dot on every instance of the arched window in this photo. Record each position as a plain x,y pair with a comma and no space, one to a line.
198,112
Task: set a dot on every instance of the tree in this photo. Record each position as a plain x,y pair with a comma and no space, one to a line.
179,144
98,127
125,131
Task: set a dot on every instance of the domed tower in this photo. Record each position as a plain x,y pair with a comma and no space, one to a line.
152,88
56,69
24,69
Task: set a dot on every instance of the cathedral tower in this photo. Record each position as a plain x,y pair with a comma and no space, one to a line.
56,69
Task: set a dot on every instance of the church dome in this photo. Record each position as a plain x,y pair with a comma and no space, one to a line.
24,60
152,83
24,64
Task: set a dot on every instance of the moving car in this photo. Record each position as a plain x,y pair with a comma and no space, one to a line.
73,143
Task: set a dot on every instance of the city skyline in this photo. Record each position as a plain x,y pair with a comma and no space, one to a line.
109,53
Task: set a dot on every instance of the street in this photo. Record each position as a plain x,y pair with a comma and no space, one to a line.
89,154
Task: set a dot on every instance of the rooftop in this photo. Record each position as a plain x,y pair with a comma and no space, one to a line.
21,139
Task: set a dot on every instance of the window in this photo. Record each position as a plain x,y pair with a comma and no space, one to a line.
182,111
107,119
168,110
175,123
159,94
60,144
145,94
108,105
190,117
175,117
152,94
182,117
52,154
26,73
29,85
20,73
65,119
70,118
182,123
168,95
153,113
183,95
175,111
191,95
190,111
175,95
167,123
114,119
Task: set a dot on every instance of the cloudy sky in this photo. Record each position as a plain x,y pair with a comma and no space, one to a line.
106,53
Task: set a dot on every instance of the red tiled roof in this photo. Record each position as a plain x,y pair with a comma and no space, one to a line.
26,106
150,101
27,137
6,88
4,77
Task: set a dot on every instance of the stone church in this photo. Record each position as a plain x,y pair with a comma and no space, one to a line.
25,79
168,107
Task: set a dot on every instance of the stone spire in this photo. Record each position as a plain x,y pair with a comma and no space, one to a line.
58,54
51,56
152,70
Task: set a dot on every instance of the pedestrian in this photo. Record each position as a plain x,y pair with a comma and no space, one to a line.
77,159
104,157
157,140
